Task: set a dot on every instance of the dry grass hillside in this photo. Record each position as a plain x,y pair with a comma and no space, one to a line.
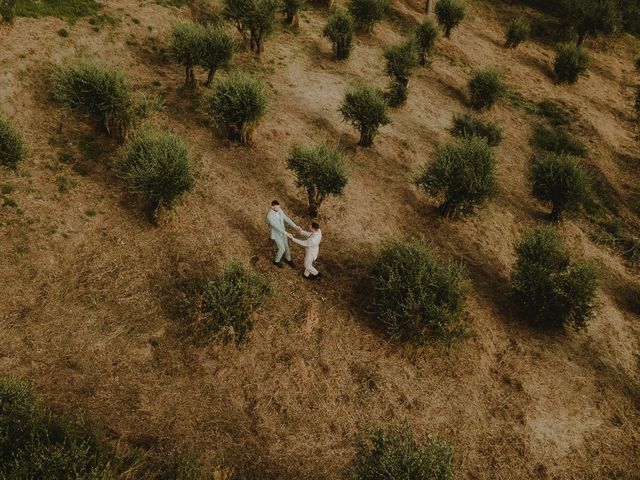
89,286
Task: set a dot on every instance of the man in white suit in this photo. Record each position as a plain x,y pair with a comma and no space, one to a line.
277,218
312,247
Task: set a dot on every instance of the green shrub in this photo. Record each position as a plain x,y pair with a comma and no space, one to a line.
100,91
590,17
224,304
291,10
218,48
237,103
339,29
63,32
486,87
186,48
417,295
561,181
157,167
553,112
426,36
367,12
321,170
393,455
254,19
467,126
571,62
551,290
557,140
364,108
7,10
517,33
12,145
463,174
400,61
450,14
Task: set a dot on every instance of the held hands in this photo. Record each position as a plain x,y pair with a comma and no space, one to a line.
298,229
289,235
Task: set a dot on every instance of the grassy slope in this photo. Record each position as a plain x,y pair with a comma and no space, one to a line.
88,300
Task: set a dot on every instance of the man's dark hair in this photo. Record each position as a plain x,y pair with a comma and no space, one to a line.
275,202
315,226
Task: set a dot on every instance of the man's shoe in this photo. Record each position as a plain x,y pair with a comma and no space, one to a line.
278,264
316,276
290,263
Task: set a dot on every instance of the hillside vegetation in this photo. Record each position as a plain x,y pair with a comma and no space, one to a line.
474,172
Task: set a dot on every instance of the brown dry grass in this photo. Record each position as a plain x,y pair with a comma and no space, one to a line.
87,302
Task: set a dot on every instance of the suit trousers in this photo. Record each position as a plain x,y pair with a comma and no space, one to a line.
283,249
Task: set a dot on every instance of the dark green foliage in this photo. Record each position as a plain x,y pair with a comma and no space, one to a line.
367,12
254,19
291,9
321,170
63,32
486,87
364,107
552,291
557,140
339,29
590,17
553,112
400,61
218,47
99,90
571,62
463,174
450,14
517,33
7,10
467,126
70,10
426,36
394,454
561,181
236,103
12,145
156,167
417,295
186,48
224,304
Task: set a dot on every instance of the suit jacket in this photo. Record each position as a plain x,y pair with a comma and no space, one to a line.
276,222
312,243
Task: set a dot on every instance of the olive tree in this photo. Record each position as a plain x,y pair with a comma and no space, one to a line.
450,14
426,36
364,107
291,10
367,12
486,87
321,170
254,19
400,61
517,33
218,47
339,29
591,17
186,47
571,62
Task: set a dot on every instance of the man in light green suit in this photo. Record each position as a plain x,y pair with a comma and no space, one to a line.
277,219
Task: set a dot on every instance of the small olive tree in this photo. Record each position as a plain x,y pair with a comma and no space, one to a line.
292,10
417,296
463,174
400,61
367,12
186,46
551,290
486,87
591,17
562,181
426,36
321,170
364,107
517,33
571,62
7,10
339,30
450,14
12,145
236,103
393,454
156,167
218,47
467,126
254,19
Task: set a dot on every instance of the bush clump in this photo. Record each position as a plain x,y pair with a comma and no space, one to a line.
400,61
218,47
571,62
467,126
393,454
450,14
552,291
554,113
99,90
367,12
12,145
463,175
518,32
486,87
157,167
237,103
562,181
590,17
417,295
557,140
254,19
291,10
223,305
321,170
426,36
364,107
7,10
339,30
